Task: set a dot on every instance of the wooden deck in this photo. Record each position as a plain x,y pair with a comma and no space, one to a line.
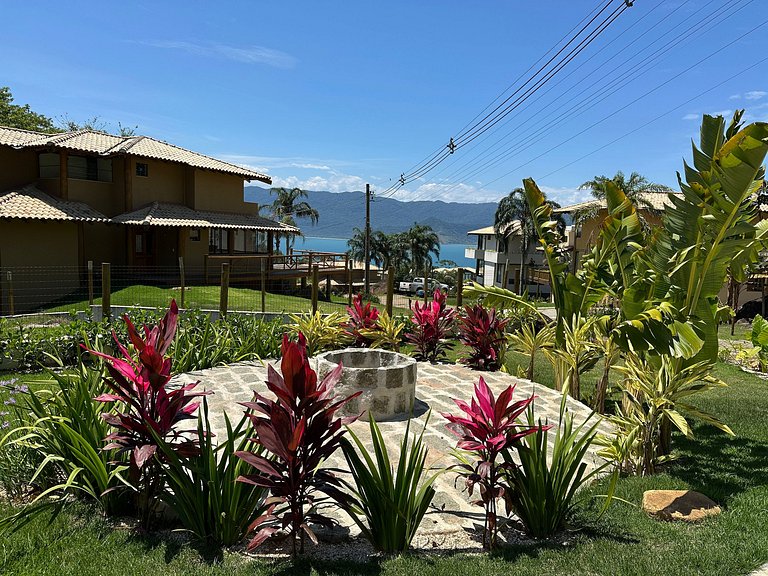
297,264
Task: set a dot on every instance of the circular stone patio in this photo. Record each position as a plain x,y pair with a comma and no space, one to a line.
436,385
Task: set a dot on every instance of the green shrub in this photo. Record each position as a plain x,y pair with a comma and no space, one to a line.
322,331
202,489
388,506
543,485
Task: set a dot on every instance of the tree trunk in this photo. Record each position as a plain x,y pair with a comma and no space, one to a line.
602,387
575,384
665,437
529,374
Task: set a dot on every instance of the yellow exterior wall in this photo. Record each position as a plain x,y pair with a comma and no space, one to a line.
221,192
19,168
28,246
165,183
194,252
104,243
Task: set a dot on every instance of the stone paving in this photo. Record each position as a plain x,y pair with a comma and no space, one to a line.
436,386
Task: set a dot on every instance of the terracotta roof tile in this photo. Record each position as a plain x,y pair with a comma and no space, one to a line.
166,214
659,201
103,144
33,204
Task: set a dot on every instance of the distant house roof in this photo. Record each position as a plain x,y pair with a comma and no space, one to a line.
658,200
489,230
30,203
166,214
93,142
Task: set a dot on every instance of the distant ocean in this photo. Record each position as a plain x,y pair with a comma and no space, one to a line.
453,252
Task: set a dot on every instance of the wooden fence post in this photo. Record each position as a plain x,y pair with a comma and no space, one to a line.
315,286
390,289
349,283
90,282
459,286
11,303
263,287
183,279
224,289
106,290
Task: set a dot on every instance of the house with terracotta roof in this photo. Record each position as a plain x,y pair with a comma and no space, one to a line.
587,217
74,197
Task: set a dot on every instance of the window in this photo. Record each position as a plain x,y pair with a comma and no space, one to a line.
480,267
498,274
49,165
219,241
142,169
89,168
194,234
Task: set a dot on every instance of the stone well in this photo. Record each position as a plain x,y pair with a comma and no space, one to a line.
387,381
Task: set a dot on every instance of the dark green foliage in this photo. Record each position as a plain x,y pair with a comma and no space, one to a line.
544,484
388,505
202,489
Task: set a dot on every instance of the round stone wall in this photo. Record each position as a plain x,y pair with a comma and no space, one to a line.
387,381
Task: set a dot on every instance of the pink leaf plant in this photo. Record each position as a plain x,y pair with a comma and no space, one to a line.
433,326
148,410
361,318
488,427
299,430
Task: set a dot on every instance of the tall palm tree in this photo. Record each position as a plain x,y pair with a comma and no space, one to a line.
285,208
422,241
514,208
635,187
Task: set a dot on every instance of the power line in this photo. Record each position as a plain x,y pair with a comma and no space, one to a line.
592,100
504,108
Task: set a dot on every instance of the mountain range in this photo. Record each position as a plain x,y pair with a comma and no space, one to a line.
341,212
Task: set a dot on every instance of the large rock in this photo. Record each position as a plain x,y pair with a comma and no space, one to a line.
685,505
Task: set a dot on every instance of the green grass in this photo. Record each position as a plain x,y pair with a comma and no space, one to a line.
207,297
733,471
741,332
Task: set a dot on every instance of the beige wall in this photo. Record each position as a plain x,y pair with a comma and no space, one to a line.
104,243
98,195
27,244
194,252
19,168
165,183
221,192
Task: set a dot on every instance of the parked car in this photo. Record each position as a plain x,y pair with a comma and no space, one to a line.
750,309
413,286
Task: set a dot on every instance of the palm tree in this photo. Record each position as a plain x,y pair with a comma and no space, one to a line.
635,187
422,241
285,208
512,209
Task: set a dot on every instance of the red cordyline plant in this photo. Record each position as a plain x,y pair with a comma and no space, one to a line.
361,318
148,410
433,325
488,427
300,430
483,332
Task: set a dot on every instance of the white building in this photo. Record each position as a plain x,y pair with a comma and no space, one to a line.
500,265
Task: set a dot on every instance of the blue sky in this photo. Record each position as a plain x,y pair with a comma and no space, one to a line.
330,95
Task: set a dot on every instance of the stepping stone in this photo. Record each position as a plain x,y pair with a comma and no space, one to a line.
685,505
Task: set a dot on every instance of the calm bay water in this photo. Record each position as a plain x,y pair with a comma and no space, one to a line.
453,252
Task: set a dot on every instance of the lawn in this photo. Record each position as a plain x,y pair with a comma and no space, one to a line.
207,298
624,541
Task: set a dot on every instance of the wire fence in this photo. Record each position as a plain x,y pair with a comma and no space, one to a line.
67,290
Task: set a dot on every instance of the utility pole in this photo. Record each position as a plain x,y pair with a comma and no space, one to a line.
367,288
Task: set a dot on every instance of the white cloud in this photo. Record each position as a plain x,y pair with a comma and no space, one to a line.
691,116
734,96
724,113
755,95
246,54
447,192
565,196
